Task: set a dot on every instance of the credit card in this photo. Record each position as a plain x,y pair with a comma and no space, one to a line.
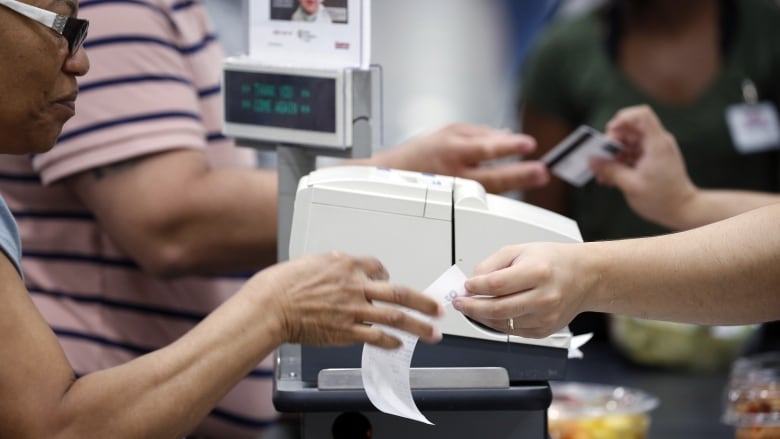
570,159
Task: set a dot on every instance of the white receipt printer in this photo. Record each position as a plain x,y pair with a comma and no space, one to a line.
419,225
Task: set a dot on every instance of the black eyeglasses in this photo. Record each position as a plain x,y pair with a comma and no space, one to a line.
74,30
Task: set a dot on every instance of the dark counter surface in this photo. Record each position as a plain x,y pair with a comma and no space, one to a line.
690,403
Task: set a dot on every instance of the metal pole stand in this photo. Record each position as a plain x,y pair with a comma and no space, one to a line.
462,402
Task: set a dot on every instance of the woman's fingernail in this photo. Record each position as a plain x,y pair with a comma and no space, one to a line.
437,335
458,304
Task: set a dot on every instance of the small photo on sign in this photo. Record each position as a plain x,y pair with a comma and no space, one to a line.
310,11
570,159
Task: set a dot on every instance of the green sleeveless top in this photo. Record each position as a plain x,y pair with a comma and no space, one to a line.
571,77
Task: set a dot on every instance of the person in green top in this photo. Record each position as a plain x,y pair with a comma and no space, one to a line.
686,60
721,268
689,61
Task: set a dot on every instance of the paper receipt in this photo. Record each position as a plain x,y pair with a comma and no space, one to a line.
385,372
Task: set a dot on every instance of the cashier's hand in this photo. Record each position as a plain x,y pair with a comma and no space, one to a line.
327,300
464,150
651,174
536,285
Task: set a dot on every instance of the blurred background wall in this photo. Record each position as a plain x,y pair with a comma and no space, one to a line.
443,60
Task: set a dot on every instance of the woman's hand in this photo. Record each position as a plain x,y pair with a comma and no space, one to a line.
650,170
466,151
329,300
538,286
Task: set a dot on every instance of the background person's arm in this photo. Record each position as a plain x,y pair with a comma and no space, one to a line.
467,150
314,300
174,214
548,103
548,132
655,181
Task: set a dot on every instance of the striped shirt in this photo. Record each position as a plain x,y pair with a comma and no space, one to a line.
154,85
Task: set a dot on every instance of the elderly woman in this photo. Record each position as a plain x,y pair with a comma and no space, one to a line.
319,300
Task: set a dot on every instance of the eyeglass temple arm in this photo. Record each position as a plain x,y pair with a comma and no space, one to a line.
48,18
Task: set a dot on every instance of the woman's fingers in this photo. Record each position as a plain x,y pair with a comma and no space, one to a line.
404,296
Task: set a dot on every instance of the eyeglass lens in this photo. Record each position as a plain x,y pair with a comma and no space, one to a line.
75,31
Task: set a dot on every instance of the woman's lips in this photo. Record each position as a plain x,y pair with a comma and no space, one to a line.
68,101
70,104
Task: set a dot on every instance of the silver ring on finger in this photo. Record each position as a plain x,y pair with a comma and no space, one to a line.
510,323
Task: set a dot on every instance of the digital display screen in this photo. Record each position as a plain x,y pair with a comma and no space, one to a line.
281,101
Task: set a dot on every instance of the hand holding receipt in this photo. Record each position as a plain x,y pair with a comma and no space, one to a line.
386,372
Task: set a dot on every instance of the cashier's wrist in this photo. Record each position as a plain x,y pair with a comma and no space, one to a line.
272,303
592,261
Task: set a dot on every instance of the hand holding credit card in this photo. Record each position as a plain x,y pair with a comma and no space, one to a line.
570,159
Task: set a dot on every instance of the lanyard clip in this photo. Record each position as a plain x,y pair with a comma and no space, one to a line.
749,91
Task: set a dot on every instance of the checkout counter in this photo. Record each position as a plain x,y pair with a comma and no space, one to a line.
446,222
419,225
691,403
354,207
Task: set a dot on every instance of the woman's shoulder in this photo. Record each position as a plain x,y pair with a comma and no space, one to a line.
756,12
574,32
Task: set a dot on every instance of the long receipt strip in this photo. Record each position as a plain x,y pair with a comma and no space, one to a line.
386,372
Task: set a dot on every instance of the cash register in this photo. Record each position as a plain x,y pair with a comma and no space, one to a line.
419,225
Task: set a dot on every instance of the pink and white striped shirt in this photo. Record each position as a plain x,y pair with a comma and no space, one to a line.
154,85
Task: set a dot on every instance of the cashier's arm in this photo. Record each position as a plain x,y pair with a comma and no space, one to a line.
723,273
